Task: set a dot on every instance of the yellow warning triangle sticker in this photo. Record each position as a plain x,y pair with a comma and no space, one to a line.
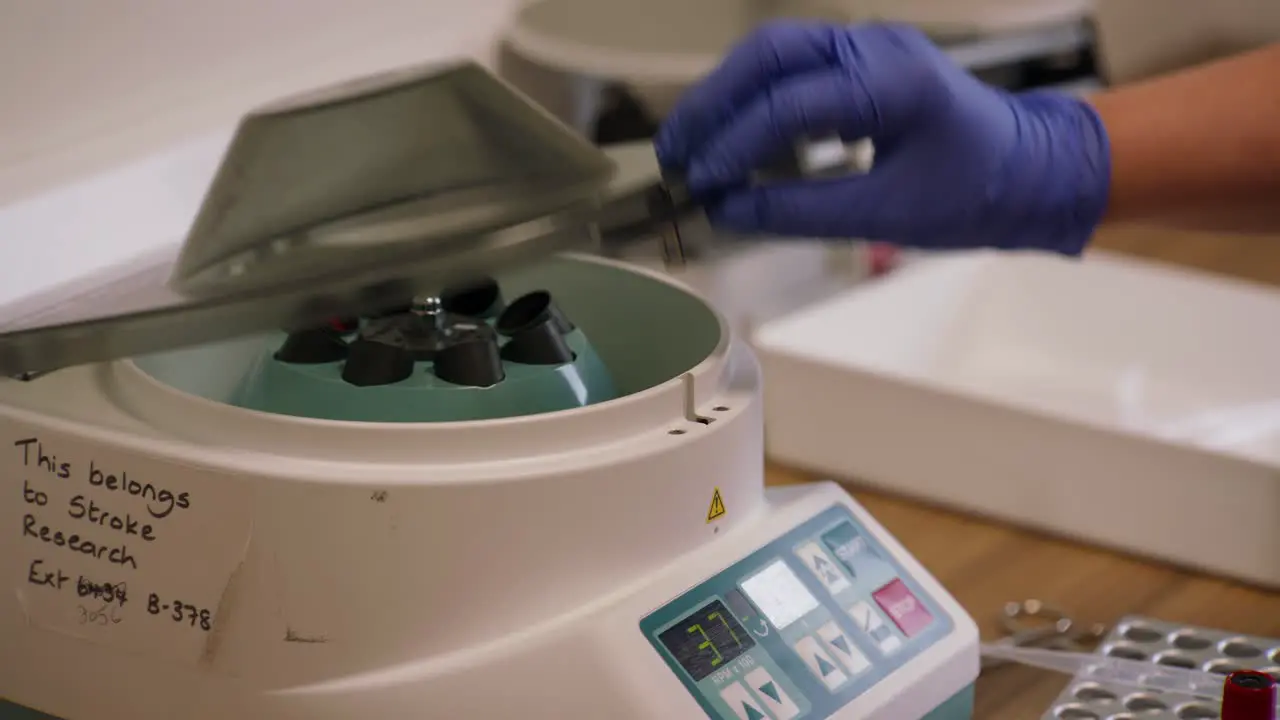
716,511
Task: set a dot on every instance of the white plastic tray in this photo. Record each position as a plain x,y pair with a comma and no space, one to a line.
1124,403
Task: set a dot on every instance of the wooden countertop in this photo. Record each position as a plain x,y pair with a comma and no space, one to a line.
986,565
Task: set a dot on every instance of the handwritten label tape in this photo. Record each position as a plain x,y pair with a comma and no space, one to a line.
116,548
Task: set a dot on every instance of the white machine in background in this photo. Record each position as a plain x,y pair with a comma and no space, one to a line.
576,56
1132,47
211,519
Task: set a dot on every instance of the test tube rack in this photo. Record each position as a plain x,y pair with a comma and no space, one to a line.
1164,643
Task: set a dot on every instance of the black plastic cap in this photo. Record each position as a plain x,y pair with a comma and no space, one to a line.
372,363
1255,681
531,310
392,310
344,325
477,299
425,353
560,320
474,362
539,345
312,347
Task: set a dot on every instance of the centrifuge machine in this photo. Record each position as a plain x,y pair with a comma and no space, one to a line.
383,438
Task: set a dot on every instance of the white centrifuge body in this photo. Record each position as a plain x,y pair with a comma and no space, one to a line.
177,553
173,556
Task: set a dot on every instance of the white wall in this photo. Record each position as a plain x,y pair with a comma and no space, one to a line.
85,84
1141,38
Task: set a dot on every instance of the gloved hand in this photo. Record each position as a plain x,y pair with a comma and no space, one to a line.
958,163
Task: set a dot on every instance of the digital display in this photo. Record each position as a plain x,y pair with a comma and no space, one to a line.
779,594
706,640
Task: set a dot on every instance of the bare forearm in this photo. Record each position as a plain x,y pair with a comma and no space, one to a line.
1200,148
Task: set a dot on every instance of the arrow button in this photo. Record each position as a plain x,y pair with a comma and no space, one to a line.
843,648
819,662
770,691
742,704
771,694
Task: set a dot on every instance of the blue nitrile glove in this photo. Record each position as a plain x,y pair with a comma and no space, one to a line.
958,163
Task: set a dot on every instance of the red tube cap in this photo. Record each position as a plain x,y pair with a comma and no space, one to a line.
1249,695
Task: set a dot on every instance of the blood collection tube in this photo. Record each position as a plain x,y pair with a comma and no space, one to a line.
881,258
1248,695
343,325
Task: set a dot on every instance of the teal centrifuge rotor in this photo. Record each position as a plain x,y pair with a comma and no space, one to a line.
463,355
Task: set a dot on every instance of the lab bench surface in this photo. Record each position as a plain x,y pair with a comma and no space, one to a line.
986,564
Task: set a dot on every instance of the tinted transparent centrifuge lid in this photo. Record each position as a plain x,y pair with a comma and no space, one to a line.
341,202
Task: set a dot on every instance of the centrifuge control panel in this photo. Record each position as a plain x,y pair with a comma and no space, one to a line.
800,628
